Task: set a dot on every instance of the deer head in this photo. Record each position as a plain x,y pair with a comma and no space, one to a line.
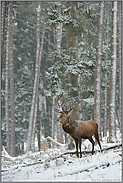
64,113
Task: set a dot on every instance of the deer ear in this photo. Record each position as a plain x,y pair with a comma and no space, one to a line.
69,113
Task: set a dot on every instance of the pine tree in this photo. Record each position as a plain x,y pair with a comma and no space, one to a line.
12,104
36,102
3,15
33,113
35,89
71,47
120,66
87,57
106,70
7,87
112,97
24,59
58,42
97,92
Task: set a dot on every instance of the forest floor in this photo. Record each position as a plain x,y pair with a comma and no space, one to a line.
56,165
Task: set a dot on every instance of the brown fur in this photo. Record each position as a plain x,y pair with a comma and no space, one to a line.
79,129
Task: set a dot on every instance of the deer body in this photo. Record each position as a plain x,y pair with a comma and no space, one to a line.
78,129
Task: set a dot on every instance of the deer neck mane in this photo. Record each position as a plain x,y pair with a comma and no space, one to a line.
68,126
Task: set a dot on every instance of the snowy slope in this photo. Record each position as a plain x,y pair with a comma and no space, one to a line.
105,166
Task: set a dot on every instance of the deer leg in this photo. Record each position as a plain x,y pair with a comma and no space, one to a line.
80,141
92,141
76,141
97,138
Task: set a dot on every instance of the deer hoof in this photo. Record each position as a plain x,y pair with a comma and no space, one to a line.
77,155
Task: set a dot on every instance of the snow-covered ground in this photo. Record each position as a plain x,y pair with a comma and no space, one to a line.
40,166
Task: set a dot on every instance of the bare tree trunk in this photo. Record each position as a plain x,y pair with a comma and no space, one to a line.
53,119
3,15
112,99
58,40
120,66
42,44
7,87
34,125
35,81
105,109
97,92
12,105
36,100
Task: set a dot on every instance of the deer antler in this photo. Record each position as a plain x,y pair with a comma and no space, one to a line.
57,110
57,101
66,111
70,106
63,100
59,104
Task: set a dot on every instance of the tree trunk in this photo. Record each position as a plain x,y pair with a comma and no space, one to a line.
7,87
71,45
97,92
35,81
53,119
3,15
12,105
120,66
112,97
34,125
58,41
39,143
105,109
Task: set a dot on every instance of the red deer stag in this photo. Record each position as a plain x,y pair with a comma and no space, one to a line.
76,128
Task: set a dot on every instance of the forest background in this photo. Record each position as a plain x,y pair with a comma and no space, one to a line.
50,49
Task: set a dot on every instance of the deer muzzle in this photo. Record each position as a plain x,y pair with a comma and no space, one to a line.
58,121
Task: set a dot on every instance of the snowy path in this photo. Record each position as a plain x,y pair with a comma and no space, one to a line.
105,166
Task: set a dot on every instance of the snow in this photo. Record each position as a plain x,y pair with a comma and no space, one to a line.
43,166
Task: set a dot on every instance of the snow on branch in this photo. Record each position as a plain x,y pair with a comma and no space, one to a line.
55,142
7,156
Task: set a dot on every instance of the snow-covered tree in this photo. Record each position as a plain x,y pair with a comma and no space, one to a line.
97,91
120,65
35,88
33,113
7,87
106,76
58,45
12,104
3,15
112,99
